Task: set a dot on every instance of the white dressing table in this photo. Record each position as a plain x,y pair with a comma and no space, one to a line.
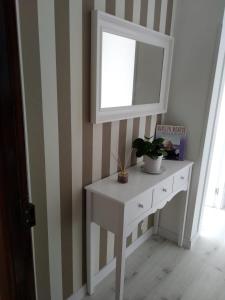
120,207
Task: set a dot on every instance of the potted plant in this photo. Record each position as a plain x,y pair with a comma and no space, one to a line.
152,151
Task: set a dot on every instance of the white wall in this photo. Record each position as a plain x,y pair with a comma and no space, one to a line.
196,35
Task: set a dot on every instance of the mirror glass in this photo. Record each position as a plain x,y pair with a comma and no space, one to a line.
131,72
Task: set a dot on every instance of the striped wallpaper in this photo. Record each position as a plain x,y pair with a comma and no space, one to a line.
65,151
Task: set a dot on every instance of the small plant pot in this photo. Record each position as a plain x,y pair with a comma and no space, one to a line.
122,177
152,165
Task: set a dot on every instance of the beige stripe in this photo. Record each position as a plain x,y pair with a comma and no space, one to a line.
100,4
122,142
97,152
144,12
51,138
147,126
169,16
151,13
150,221
110,7
77,130
163,16
106,146
135,135
173,17
64,117
114,146
87,143
157,14
129,240
97,171
103,248
96,175
120,8
104,163
159,119
31,80
136,11
141,133
129,9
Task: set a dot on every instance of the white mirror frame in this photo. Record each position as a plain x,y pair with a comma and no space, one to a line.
103,22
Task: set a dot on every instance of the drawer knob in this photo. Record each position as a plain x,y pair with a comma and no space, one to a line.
164,190
140,205
182,177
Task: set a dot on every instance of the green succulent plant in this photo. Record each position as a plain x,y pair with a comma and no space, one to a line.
153,148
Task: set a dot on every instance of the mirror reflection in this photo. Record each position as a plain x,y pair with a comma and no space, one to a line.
131,72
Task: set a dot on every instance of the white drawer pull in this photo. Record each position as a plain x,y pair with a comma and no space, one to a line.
164,190
182,177
140,205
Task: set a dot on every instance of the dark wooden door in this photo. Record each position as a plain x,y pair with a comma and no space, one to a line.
16,262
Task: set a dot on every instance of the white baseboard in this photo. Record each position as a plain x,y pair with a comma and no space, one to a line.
81,293
172,236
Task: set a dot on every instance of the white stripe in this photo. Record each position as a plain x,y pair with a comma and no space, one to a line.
153,124
163,13
129,137
137,11
120,8
99,4
46,20
141,135
75,7
151,14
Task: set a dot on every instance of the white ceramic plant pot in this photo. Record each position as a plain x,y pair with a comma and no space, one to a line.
152,165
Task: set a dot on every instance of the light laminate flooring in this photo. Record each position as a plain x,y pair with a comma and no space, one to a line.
159,270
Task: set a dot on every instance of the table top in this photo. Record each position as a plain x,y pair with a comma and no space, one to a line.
138,181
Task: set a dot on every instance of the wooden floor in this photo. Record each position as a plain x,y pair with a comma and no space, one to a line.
159,270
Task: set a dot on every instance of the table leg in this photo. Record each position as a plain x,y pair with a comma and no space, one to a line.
120,264
90,245
184,214
183,221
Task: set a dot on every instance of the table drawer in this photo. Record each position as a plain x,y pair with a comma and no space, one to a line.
181,180
138,206
162,190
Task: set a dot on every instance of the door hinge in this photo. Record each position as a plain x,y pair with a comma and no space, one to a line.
29,215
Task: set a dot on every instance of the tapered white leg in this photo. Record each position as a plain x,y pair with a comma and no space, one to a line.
156,222
183,221
90,245
120,264
184,213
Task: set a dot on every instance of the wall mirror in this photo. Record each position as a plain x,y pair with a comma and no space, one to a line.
131,68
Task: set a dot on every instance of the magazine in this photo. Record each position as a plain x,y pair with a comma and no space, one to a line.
174,140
